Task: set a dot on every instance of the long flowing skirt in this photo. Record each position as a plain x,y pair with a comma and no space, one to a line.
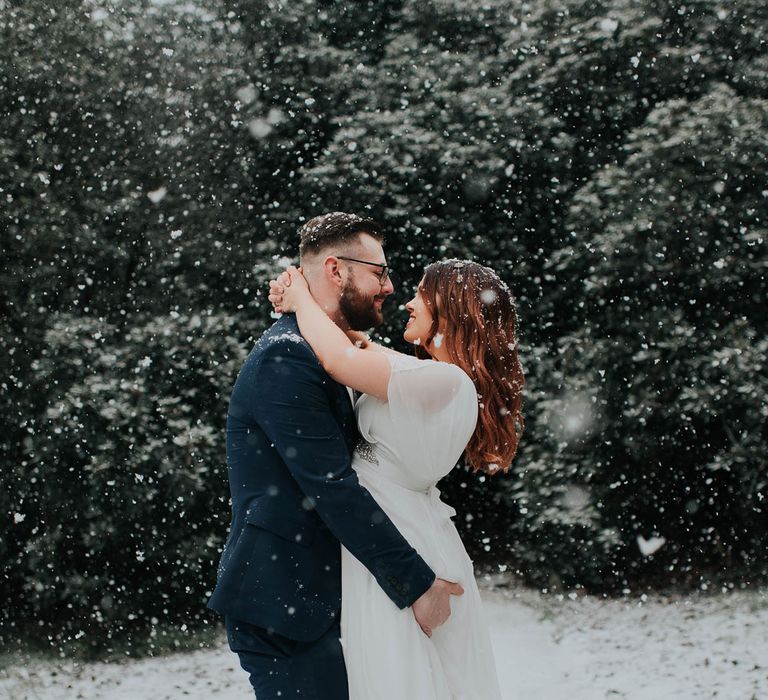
386,653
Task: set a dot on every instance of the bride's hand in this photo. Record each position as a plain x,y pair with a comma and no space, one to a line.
288,290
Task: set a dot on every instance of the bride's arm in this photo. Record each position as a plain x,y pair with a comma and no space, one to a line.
363,341
362,369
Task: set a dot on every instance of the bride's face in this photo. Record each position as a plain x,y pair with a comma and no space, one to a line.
419,324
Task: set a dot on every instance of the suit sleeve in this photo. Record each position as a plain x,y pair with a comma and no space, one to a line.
292,406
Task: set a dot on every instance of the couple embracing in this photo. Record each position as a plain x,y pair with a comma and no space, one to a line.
343,575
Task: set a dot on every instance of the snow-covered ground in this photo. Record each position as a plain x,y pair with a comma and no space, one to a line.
547,648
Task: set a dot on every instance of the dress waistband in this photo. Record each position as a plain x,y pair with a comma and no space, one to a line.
369,472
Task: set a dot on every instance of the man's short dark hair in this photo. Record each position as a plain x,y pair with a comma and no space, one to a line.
335,229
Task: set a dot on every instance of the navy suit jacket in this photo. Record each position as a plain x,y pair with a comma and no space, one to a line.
291,430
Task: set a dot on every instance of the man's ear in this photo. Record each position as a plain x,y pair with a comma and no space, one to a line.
332,270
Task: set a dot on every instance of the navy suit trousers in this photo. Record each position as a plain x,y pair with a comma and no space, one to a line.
281,668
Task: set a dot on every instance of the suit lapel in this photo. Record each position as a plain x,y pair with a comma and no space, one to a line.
346,414
341,403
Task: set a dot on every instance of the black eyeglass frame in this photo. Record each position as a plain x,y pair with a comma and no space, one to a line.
383,275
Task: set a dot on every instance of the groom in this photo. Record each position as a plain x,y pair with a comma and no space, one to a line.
290,433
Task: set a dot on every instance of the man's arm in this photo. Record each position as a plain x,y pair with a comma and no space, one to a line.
293,409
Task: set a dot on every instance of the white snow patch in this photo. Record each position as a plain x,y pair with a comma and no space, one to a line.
288,335
158,195
650,546
259,128
547,647
488,296
575,416
246,94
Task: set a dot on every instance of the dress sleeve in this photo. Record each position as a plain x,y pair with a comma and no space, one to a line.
433,407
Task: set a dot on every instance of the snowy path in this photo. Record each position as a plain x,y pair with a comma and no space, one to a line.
546,649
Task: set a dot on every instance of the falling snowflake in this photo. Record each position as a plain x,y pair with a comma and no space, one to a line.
158,195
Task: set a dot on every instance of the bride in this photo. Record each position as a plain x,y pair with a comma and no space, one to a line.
417,415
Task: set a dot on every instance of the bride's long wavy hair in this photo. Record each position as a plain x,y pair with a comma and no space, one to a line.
476,311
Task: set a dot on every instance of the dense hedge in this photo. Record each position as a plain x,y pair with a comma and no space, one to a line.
607,158
120,503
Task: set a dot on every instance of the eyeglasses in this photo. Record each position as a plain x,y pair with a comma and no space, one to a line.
383,275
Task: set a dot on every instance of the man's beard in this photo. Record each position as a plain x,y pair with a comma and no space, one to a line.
359,310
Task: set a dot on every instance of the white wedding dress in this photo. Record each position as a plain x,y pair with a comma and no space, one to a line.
413,440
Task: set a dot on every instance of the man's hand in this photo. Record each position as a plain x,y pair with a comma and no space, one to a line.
434,607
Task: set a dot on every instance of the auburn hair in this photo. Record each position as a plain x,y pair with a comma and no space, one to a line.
476,312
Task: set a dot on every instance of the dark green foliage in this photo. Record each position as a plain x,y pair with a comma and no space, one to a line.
671,248
607,158
120,500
